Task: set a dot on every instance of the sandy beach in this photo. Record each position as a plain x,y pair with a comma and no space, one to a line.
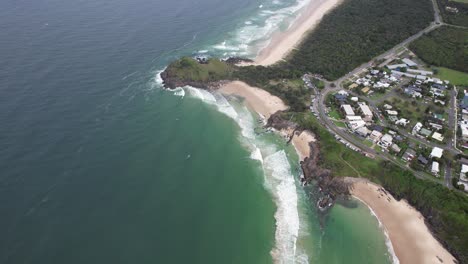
411,239
282,43
259,100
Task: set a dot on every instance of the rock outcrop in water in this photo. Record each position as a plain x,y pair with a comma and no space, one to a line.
330,187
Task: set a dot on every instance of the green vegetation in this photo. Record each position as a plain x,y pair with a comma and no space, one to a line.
445,47
446,211
455,77
459,18
283,83
188,69
357,31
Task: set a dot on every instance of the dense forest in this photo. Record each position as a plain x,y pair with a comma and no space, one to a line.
445,211
357,31
458,17
445,46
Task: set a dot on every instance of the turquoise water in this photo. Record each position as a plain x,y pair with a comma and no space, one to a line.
98,164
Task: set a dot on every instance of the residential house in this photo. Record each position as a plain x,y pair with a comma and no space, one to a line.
435,168
423,160
395,148
436,153
409,62
416,128
366,112
386,141
348,110
409,155
437,136
425,132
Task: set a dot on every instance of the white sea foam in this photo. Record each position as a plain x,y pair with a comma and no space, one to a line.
250,38
179,92
256,154
287,216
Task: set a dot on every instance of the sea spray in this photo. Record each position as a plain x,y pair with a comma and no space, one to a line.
278,175
287,217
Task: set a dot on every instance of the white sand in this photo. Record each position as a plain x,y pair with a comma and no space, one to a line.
410,237
283,42
259,100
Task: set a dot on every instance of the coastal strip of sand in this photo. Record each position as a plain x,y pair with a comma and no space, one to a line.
267,104
411,239
282,42
258,99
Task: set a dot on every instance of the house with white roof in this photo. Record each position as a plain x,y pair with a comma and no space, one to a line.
386,141
366,112
435,168
409,62
348,110
436,153
375,136
437,136
416,128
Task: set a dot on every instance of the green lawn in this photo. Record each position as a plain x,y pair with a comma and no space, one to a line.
455,77
334,114
339,123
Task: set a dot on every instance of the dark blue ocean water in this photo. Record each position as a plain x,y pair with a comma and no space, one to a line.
99,165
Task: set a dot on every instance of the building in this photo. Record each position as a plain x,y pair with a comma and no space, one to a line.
409,155
402,122
437,136
435,168
352,86
416,128
423,160
396,66
409,62
436,153
420,72
391,112
355,122
386,141
375,136
348,110
362,131
425,132
395,148
366,112
365,89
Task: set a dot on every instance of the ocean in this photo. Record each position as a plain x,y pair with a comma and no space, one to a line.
99,164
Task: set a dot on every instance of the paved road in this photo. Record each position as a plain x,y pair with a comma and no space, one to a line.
319,106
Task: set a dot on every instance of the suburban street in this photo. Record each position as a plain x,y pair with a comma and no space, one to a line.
331,87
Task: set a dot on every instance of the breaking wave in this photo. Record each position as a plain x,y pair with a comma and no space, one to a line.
279,179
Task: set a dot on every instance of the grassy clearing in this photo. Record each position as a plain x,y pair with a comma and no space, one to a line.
189,69
455,77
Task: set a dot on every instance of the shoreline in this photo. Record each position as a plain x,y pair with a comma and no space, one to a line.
283,42
410,238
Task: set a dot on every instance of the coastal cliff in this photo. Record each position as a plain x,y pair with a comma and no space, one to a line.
330,187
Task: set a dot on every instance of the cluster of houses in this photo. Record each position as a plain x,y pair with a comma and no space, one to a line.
375,80
463,122
420,131
358,115
435,91
463,173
